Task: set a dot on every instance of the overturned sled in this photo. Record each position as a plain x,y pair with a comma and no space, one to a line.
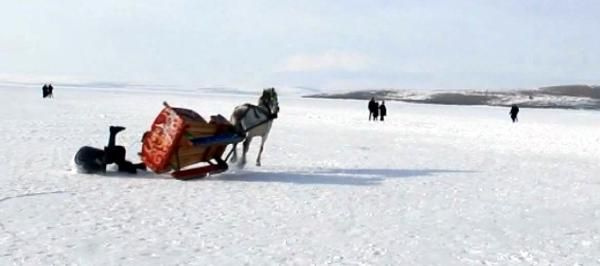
184,144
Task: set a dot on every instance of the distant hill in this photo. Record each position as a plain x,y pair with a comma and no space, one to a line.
566,96
573,90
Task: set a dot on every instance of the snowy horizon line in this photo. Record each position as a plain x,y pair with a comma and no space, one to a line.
127,84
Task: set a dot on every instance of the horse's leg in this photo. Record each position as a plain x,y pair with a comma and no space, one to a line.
234,155
262,144
246,147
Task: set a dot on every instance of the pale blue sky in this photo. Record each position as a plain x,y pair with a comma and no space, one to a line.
323,44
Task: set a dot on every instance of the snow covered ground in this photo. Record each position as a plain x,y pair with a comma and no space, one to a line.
433,185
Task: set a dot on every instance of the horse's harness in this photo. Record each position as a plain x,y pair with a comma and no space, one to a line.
256,110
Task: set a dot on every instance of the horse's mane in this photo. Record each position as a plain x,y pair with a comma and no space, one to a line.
266,96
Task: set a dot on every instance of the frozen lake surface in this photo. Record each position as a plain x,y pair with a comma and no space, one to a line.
433,185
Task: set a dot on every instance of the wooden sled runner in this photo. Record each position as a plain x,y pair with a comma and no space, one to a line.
183,143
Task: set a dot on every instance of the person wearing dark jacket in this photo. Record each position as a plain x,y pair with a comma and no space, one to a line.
382,110
514,111
92,160
375,111
45,91
372,107
49,90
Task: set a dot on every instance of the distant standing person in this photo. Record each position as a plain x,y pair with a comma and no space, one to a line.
50,89
514,111
45,91
375,111
382,110
372,107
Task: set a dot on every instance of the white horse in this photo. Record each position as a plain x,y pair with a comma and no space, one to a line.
252,121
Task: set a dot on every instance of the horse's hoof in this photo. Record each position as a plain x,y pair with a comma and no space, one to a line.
257,164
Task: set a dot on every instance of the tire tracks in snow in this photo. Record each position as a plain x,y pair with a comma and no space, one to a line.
35,194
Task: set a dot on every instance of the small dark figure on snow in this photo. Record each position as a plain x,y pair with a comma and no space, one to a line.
92,160
50,89
375,111
372,107
45,91
382,110
514,111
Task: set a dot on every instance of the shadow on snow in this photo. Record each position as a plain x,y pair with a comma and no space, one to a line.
140,175
355,177
335,176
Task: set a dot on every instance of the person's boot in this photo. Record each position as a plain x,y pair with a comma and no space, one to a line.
140,166
113,134
116,129
127,166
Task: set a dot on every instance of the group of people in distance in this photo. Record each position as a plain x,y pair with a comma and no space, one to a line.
377,110
47,91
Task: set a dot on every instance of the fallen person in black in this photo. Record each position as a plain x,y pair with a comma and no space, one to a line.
93,160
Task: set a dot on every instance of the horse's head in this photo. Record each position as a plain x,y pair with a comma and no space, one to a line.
270,101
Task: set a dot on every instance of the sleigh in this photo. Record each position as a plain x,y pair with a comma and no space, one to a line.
184,144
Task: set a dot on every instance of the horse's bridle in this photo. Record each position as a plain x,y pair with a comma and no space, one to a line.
268,102
268,114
